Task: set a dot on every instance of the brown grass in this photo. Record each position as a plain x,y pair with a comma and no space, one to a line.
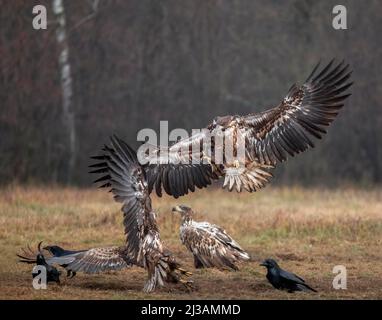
308,230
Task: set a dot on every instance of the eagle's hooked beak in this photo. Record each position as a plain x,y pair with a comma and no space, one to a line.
176,209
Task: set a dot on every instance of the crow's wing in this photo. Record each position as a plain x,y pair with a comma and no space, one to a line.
291,277
28,255
67,252
304,113
94,260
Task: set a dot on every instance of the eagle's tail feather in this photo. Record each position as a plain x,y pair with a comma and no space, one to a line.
251,178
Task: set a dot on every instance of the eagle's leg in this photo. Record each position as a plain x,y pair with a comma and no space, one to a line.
197,263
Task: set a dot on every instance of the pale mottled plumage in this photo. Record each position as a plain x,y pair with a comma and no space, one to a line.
210,244
93,260
128,183
270,137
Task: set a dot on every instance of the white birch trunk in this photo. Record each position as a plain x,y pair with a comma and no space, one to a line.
66,84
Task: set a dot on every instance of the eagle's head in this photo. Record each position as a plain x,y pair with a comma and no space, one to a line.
185,212
221,123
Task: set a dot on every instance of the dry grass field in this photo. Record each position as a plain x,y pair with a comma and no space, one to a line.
308,231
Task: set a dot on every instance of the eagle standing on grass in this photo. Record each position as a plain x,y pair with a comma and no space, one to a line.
210,244
269,136
128,183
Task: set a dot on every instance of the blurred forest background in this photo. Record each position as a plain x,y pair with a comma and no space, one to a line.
136,62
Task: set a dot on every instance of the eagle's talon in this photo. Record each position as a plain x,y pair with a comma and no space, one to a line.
185,272
188,284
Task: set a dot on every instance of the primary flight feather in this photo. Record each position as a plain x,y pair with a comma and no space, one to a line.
269,138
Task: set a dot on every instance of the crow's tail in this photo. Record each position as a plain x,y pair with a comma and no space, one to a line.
305,287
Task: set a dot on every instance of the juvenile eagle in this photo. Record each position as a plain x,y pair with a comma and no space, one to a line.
269,137
210,244
128,183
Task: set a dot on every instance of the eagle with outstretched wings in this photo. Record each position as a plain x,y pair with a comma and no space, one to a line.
127,180
268,137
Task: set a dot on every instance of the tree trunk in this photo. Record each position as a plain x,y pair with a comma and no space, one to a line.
66,85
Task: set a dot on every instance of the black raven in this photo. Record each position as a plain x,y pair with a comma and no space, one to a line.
284,280
57,251
52,274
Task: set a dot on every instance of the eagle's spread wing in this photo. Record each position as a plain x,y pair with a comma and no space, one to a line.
94,260
304,113
128,184
180,168
212,245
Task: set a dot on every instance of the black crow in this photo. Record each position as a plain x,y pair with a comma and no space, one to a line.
284,280
57,251
52,274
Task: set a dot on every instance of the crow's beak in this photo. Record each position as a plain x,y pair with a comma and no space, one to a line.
263,264
46,248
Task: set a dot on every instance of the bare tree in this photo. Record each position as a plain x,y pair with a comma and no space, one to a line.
117,66
66,84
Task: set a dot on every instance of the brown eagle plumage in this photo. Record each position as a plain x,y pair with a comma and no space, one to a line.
210,245
269,136
94,260
128,183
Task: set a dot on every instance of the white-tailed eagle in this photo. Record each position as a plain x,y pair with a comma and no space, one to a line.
269,137
127,180
210,245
